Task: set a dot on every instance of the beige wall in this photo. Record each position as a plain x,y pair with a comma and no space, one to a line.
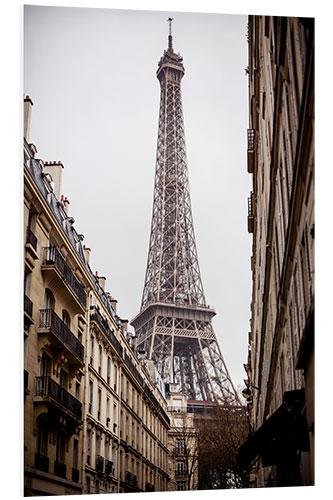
282,260
127,424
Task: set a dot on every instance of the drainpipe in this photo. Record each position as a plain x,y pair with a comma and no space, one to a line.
86,395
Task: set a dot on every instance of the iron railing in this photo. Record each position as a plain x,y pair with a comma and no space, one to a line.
132,369
75,475
99,463
96,316
49,319
28,306
250,139
250,205
59,469
176,409
31,239
41,462
46,387
52,256
26,378
108,466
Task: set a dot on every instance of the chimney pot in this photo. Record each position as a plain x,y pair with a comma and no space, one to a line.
27,117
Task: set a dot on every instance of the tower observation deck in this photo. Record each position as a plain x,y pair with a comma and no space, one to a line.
174,325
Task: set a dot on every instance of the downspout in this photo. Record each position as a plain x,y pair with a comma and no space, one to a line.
86,395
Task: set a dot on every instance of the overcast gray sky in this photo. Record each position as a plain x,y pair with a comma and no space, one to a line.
91,74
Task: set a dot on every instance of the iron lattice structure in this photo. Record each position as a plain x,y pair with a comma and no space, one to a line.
174,325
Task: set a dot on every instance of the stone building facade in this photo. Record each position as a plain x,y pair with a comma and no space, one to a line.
280,366
94,417
182,443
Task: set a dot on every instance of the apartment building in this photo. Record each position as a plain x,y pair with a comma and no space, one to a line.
183,443
280,366
94,418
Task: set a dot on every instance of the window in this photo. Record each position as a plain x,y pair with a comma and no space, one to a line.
180,445
180,467
66,318
91,350
178,422
109,370
115,377
91,387
77,390
63,379
107,450
60,448
108,418
100,360
88,446
99,404
45,366
75,454
42,438
49,299
180,486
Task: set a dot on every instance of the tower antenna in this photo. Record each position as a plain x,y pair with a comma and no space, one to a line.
170,19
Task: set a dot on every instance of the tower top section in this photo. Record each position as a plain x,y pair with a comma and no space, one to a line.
170,60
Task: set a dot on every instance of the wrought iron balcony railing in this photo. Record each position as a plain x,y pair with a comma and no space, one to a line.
46,387
28,307
96,316
31,239
59,469
108,466
48,319
75,475
250,139
250,151
52,256
99,463
26,378
41,462
250,206
176,409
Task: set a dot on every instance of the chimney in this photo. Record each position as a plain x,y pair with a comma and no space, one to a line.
27,117
54,168
114,303
66,203
86,251
124,322
102,280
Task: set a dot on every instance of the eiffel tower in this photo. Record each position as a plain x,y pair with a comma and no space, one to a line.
174,325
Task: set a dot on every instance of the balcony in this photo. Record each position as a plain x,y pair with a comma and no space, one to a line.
176,409
59,469
60,336
26,379
75,475
28,310
31,246
51,392
250,215
57,271
99,463
250,150
130,478
108,467
96,316
41,462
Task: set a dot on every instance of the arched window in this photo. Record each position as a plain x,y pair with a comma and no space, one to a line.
49,299
42,437
66,318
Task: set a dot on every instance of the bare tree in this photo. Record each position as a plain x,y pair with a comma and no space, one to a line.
220,434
